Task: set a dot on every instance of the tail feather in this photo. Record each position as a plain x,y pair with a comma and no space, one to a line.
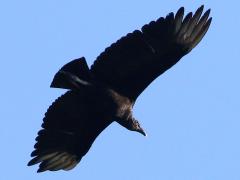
72,75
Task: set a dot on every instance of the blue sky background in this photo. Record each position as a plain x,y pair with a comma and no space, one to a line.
191,113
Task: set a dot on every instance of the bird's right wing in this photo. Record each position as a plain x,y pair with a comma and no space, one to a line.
69,129
134,61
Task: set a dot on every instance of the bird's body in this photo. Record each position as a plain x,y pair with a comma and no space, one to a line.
107,91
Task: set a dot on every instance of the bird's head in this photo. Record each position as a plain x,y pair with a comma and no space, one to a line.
135,126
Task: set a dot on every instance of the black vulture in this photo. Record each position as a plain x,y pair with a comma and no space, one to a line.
107,91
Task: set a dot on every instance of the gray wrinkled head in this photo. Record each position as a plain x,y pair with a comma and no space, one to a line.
137,127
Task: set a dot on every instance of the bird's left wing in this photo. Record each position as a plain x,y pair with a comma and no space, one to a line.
133,62
69,129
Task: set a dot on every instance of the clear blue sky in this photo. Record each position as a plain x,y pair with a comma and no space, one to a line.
191,113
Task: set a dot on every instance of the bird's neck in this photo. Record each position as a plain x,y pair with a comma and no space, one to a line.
126,122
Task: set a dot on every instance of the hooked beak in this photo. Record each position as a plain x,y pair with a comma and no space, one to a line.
140,130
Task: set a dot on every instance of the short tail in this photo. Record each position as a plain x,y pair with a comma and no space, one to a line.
72,75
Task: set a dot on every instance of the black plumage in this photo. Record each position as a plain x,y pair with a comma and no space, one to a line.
108,90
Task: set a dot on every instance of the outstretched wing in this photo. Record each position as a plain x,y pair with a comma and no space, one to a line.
133,62
69,129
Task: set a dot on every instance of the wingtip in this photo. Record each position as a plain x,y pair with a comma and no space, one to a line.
52,85
33,153
31,162
180,11
208,11
206,14
201,7
200,10
40,170
209,21
189,15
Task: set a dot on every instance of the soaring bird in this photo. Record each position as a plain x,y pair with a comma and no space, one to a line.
107,91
